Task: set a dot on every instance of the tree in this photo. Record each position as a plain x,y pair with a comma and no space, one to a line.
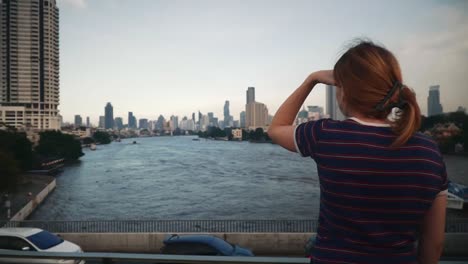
18,146
9,172
88,140
102,137
54,144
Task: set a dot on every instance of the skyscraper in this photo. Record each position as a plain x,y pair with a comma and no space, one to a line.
333,109
242,119
29,69
227,116
433,101
109,114
160,123
131,120
256,114
118,123
88,124
250,94
102,121
78,121
143,123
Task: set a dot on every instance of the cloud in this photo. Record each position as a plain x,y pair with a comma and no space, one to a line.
80,4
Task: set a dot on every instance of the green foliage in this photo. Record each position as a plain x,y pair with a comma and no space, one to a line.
88,140
18,146
9,172
54,144
460,119
102,137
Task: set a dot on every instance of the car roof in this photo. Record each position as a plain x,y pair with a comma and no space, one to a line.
206,239
19,231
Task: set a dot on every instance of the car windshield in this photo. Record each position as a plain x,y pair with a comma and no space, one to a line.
45,240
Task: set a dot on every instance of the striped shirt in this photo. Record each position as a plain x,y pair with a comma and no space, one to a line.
373,197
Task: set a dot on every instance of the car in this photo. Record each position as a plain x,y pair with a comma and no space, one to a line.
205,245
35,239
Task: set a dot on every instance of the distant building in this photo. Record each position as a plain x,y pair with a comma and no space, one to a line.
78,121
433,101
88,124
250,95
256,115
242,119
461,109
109,116
236,134
118,122
315,109
102,122
236,123
333,109
160,123
131,120
174,122
143,123
227,115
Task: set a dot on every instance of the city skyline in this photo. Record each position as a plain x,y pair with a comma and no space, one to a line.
171,60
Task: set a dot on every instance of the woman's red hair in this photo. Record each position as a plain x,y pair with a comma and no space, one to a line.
366,73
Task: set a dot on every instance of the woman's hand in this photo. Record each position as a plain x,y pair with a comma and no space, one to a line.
325,77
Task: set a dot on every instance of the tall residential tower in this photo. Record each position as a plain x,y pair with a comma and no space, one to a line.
29,53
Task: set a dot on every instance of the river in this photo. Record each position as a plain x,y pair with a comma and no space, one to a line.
178,178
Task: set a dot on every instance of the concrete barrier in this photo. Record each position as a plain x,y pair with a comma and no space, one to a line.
284,244
35,202
262,244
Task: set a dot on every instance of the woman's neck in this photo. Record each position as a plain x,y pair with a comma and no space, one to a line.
369,119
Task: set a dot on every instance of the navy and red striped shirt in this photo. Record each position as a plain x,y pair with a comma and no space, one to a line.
373,197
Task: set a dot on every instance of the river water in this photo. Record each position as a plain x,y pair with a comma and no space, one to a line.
178,178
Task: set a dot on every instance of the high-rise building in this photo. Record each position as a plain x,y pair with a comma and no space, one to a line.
88,124
333,109
29,68
78,121
193,117
174,120
160,123
256,115
250,94
433,101
118,123
102,121
227,116
131,120
242,119
109,114
143,123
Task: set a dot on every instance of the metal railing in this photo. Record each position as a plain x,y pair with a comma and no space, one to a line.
193,226
149,258
165,226
109,258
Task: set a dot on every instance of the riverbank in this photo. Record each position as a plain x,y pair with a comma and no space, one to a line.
31,192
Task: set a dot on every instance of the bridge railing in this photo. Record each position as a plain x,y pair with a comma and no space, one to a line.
193,226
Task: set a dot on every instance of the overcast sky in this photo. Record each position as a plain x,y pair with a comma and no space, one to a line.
177,57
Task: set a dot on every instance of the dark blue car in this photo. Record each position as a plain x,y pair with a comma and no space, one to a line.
202,245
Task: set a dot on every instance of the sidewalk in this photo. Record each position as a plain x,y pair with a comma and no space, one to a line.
30,184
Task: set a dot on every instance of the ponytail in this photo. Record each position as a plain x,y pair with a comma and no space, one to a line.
408,118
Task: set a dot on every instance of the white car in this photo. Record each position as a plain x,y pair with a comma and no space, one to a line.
35,239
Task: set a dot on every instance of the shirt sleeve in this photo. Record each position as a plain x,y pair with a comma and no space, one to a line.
306,136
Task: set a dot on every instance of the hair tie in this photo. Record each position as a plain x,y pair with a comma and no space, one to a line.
400,104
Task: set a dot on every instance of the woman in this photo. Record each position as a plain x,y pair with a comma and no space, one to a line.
383,185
